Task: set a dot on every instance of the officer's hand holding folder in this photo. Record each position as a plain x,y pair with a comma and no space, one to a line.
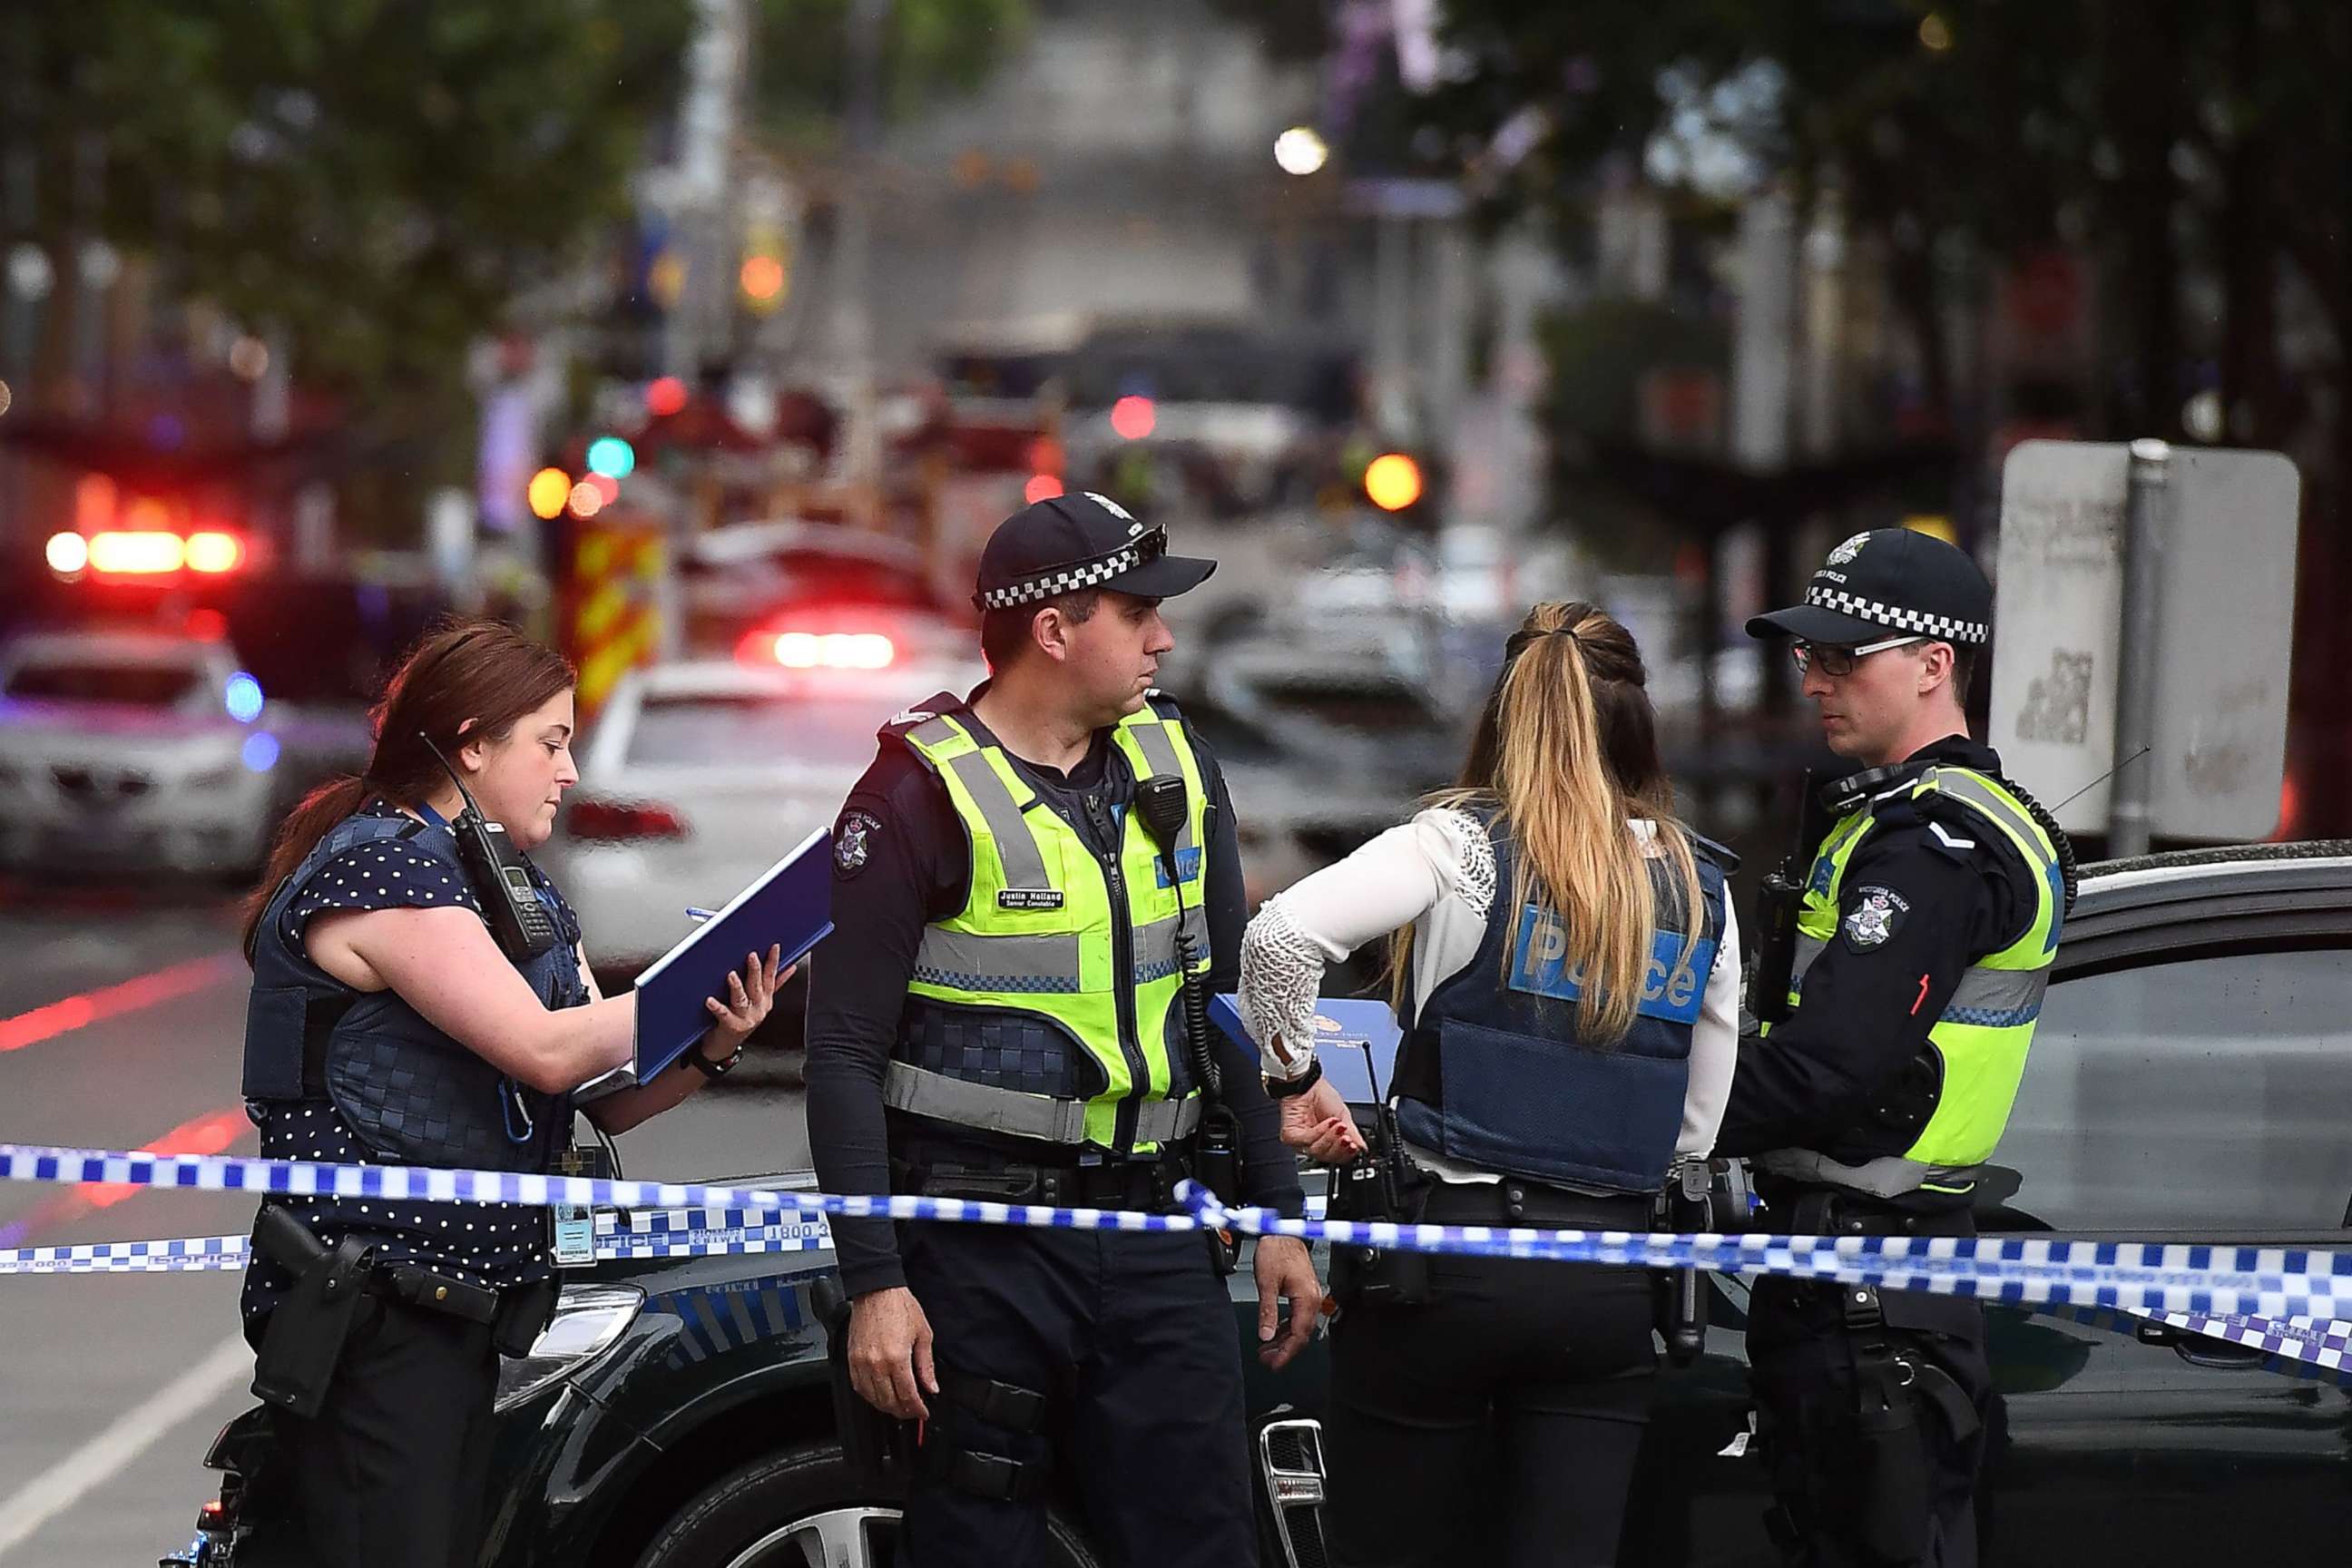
788,906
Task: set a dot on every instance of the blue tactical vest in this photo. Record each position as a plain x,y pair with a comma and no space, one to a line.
409,1092
1492,1073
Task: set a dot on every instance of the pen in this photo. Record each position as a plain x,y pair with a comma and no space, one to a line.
693,914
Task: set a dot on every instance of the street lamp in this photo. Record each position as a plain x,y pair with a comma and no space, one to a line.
1300,151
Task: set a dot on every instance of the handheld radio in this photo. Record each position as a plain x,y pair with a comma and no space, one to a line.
495,868
1160,801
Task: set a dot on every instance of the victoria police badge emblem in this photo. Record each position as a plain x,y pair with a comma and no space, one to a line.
1849,550
1875,917
849,842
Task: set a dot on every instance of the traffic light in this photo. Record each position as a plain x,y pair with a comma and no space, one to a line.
550,488
611,456
1392,481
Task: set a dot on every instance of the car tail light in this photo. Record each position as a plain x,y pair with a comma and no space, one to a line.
621,821
819,650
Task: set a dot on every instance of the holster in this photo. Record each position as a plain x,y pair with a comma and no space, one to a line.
523,1313
873,1442
1891,1482
304,1342
1380,1186
1685,1207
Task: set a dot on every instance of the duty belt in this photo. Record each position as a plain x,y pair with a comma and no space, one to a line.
1113,1183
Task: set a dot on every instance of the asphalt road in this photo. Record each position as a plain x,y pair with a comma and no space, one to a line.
122,1022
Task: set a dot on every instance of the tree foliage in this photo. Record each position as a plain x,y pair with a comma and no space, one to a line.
381,179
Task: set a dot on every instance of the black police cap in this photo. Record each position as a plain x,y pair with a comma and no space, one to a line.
1888,582
1070,543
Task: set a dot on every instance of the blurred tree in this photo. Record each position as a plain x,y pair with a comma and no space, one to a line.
382,181
929,48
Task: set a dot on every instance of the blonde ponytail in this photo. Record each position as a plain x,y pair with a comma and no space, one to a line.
1567,751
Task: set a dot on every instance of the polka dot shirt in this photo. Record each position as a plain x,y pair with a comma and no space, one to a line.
493,1244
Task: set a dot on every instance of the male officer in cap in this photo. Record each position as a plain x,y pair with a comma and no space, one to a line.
1000,1018
1923,945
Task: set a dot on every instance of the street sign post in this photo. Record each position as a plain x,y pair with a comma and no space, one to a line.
2142,633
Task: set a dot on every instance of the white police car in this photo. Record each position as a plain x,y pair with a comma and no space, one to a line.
697,775
134,751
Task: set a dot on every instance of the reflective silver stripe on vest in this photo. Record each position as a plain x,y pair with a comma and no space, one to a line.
964,961
1155,944
1809,948
920,1092
1160,752
1964,786
1887,1177
1024,865
1981,990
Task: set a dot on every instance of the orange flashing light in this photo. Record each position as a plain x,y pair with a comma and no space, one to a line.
213,551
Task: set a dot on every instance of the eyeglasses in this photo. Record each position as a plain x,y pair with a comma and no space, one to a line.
1841,661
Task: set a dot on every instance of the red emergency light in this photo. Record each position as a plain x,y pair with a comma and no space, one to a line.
145,552
819,650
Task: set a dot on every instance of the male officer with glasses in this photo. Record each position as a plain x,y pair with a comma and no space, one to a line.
1872,1103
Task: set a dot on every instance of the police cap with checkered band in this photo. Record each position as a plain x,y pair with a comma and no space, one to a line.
1070,543
1888,582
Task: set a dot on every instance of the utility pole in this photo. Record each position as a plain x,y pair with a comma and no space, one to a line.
853,259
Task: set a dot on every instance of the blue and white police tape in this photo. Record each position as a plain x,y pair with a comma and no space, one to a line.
668,1232
182,1253
2212,1280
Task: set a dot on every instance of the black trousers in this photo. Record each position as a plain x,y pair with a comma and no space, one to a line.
1497,1422
1134,1341
392,1469
1848,1498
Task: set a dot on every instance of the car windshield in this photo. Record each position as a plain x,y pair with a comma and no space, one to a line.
131,684
751,729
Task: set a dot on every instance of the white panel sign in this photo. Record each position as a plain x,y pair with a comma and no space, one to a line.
2225,611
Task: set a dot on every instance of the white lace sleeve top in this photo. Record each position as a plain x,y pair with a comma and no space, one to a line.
1437,872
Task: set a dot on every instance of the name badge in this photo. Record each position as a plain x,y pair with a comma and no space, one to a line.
1029,898
576,1236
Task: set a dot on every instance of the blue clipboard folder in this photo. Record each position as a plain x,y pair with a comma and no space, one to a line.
1357,1040
790,905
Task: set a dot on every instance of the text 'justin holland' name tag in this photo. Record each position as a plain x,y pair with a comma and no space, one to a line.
1029,898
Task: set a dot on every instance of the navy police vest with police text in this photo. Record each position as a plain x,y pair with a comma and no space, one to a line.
1492,1073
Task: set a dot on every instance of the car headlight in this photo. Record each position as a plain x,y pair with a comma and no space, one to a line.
588,1320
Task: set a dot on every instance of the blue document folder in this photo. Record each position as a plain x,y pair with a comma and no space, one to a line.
789,905
1357,1040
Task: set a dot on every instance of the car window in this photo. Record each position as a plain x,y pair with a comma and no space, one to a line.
1368,710
134,685
754,729
2205,1092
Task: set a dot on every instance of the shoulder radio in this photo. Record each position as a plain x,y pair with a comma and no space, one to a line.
500,880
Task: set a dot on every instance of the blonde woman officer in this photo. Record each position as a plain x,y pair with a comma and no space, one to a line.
1566,976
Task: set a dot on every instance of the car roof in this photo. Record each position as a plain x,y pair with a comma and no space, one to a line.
727,678
2257,893
738,542
113,644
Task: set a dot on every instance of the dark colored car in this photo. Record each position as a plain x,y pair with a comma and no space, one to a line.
679,1413
2191,1079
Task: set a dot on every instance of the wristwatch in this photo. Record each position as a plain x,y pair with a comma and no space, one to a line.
710,1069
1283,1088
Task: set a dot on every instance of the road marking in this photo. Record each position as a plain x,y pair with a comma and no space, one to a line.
113,1001
130,1435
211,1133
